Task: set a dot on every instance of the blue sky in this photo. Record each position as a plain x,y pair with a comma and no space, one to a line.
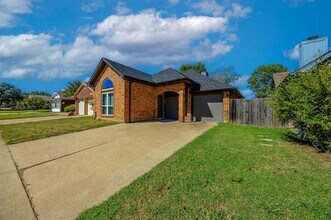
45,44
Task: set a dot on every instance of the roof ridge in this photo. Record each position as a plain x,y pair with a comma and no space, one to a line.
124,65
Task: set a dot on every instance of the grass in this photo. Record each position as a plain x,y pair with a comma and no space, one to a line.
18,114
16,133
229,172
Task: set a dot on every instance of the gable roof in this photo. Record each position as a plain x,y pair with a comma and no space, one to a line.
205,83
61,96
81,86
201,83
167,75
279,78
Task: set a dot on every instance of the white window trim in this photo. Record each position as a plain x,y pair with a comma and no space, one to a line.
107,103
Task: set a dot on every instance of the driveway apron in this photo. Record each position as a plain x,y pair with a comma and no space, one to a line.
67,174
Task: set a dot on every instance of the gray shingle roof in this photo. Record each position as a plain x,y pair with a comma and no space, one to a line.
129,72
167,75
205,83
200,82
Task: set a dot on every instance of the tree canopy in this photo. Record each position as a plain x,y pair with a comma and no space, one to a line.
71,88
305,100
261,81
197,67
9,94
226,75
35,92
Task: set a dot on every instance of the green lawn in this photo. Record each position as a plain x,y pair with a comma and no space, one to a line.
16,133
16,114
231,171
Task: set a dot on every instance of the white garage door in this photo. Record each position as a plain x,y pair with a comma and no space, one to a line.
90,109
81,107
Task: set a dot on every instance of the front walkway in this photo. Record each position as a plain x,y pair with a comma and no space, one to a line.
67,174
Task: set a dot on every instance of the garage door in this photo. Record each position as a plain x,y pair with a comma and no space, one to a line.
208,108
90,109
81,107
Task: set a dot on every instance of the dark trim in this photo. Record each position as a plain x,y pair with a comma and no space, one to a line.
137,80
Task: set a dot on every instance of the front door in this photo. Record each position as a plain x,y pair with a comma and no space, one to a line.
160,106
171,106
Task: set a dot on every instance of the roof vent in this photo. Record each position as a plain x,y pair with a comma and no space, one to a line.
312,37
204,73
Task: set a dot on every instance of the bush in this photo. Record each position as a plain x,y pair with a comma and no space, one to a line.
70,108
305,100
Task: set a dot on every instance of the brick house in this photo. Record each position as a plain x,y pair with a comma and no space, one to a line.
125,94
83,100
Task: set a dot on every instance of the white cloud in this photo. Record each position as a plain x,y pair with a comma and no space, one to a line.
92,5
209,7
174,2
146,38
247,93
293,53
215,9
242,81
9,9
238,11
121,9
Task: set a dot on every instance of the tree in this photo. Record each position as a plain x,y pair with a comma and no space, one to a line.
33,103
9,94
197,67
261,81
226,75
305,100
35,92
72,88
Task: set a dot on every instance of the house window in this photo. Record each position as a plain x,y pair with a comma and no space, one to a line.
108,103
107,97
107,84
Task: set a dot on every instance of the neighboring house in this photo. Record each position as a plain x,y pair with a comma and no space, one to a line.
43,97
126,94
59,102
84,99
311,52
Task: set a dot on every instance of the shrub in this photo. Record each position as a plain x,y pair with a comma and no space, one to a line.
70,108
305,100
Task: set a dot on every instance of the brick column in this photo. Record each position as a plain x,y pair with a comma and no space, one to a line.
181,105
188,106
226,106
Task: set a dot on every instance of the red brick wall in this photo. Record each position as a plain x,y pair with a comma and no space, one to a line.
143,98
143,102
84,93
119,95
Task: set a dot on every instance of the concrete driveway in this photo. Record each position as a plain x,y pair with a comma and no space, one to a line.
67,174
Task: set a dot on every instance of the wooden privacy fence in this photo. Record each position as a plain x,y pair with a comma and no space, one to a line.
256,112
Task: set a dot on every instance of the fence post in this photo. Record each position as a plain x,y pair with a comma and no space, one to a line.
226,106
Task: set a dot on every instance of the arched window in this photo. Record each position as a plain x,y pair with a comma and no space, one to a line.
107,97
107,84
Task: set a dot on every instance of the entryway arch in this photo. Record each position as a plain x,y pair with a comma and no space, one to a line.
168,107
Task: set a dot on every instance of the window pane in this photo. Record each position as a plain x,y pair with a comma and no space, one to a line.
107,84
110,99
104,99
110,110
104,110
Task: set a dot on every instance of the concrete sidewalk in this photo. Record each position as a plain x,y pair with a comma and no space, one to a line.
67,174
14,202
46,118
